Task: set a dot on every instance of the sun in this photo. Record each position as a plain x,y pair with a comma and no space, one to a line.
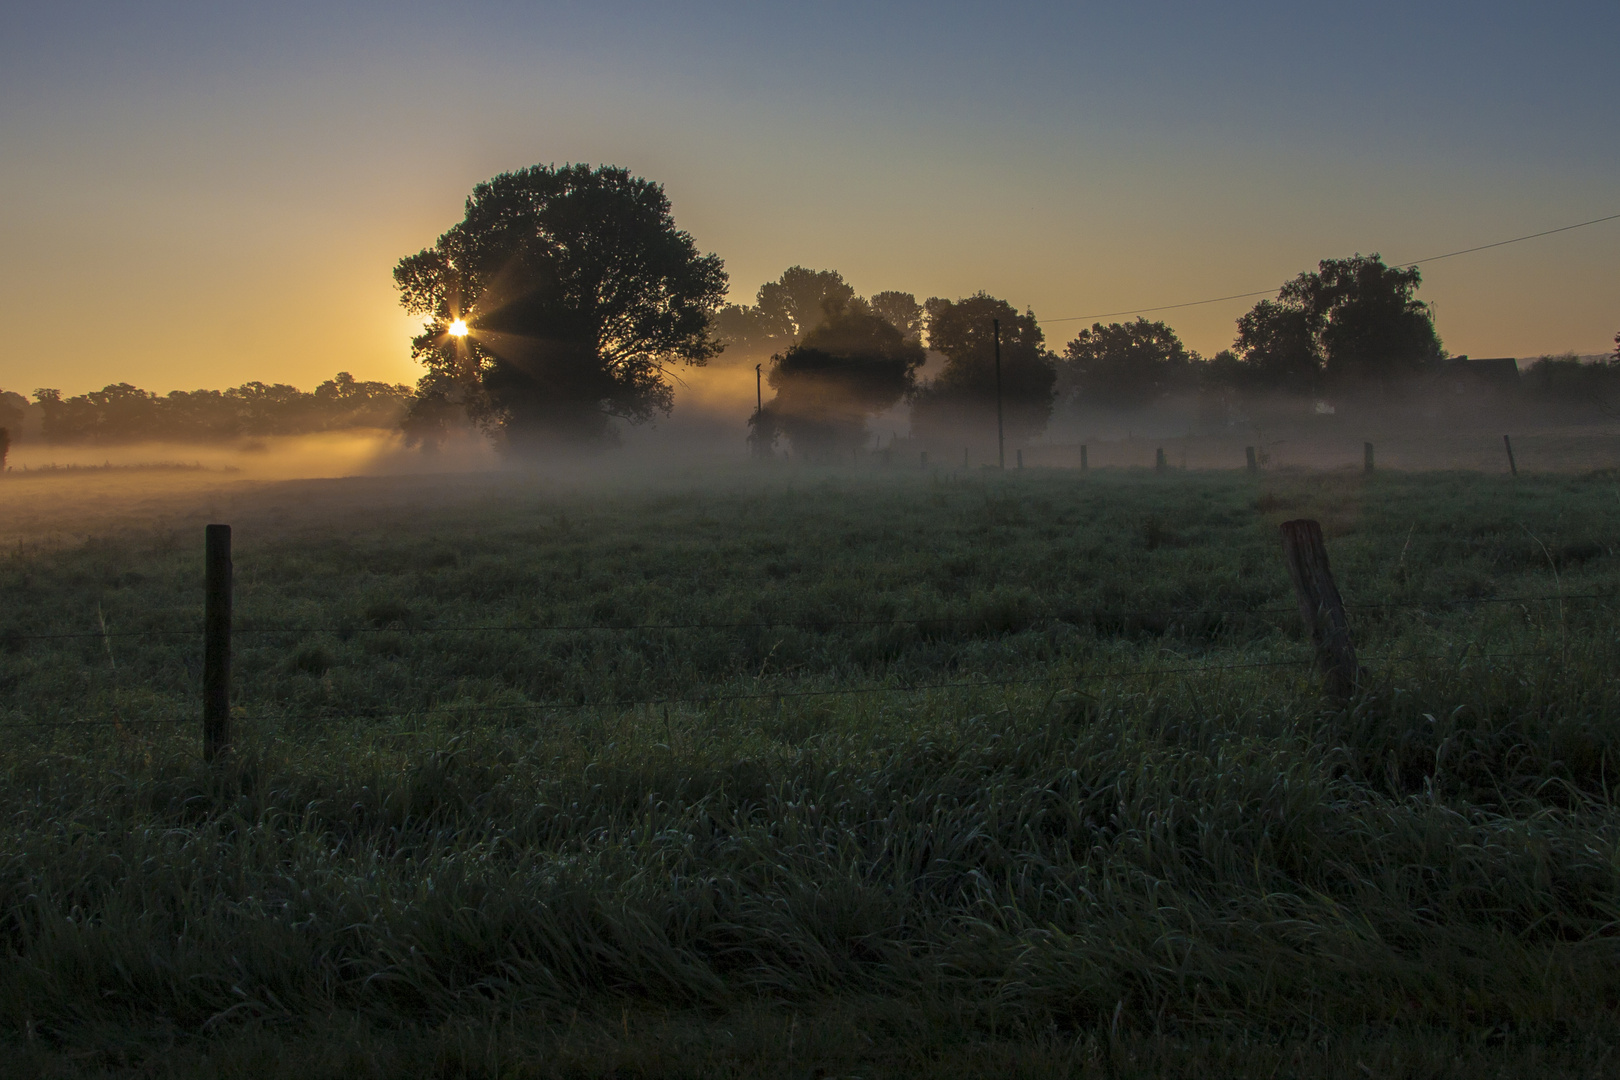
458,328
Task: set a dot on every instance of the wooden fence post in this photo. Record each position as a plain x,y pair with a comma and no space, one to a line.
1320,606
1254,465
1512,465
1158,460
1366,457
217,642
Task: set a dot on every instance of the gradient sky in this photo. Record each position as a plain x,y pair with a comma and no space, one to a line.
193,195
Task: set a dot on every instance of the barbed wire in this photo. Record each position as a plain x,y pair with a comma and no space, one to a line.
1103,611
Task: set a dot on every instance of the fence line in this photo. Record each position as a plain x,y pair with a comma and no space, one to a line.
800,624
767,695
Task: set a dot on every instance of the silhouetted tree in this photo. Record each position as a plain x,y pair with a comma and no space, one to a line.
783,312
902,312
1372,326
853,364
1277,349
802,300
49,401
1351,322
961,399
5,446
13,408
578,293
1568,380
1127,365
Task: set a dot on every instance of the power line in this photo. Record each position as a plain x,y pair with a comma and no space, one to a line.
1161,307
1515,240
1398,266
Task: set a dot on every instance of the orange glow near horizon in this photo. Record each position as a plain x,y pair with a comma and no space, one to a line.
163,162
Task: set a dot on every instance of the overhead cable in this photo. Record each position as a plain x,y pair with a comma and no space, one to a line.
1398,266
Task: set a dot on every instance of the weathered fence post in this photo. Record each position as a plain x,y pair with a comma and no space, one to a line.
1158,460
217,642
1320,606
1254,465
1082,457
1513,466
1366,457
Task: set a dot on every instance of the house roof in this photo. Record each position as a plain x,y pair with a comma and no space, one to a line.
1500,370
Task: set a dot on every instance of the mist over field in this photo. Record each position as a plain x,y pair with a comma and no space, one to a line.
352,452
708,425
736,542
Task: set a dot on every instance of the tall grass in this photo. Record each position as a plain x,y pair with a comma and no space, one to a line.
1093,873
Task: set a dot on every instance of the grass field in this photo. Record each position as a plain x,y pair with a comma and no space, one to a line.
798,773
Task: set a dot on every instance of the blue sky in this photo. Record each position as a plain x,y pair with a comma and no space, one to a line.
194,195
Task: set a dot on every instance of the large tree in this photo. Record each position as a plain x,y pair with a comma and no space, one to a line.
1276,349
1127,365
561,300
961,399
854,364
1351,322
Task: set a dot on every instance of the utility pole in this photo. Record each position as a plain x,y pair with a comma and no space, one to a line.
1001,439
757,441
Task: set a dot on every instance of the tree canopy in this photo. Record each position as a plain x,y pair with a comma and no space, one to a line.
854,364
962,397
783,312
1277,349
1127,365
1351,322
577,293
901,310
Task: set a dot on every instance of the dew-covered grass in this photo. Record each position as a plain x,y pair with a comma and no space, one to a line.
1089,815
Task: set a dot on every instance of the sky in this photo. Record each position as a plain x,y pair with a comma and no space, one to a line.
196,195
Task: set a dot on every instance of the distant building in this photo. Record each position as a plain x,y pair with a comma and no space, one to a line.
1469,381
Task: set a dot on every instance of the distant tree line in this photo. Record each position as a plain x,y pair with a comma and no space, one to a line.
126,413
1353,325
566,298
